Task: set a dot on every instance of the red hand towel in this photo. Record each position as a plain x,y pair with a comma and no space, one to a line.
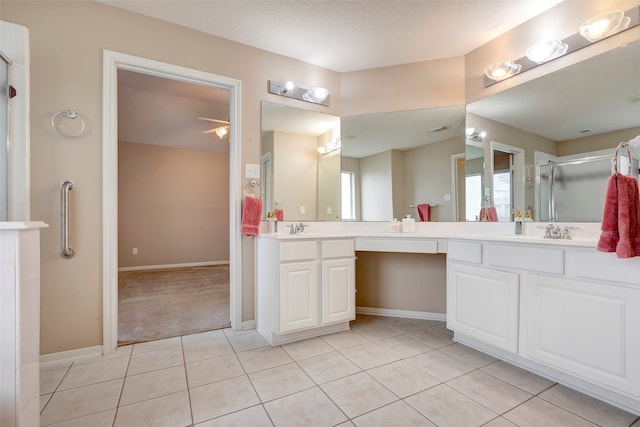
424,212
492,214
628,211
609,235
251,214
280,214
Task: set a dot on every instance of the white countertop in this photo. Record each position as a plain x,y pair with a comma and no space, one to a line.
22,225
586,235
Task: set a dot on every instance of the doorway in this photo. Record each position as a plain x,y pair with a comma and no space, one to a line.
173,208
113,62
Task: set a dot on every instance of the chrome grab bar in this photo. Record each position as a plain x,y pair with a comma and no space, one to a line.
66,252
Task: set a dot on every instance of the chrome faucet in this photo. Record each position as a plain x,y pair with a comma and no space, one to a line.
297,228
555,232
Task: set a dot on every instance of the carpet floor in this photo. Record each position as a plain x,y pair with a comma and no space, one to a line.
160,304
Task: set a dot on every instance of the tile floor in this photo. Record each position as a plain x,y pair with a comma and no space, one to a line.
384,372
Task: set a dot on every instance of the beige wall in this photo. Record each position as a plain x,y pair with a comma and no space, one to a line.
602,141
427,177
428,84
173,205
376,186
295,175
329,187
67,39
397,281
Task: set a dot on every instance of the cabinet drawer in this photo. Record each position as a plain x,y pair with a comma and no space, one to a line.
337,248
540,259
465,252
295,251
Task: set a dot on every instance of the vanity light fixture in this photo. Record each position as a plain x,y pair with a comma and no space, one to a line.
330,146
473,135
545,51
315,95
592,30
502,70
604,25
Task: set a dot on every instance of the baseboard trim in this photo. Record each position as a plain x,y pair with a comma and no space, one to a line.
409,314
164,266
53,360
248,325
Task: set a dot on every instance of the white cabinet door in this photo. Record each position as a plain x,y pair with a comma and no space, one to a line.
298,295
338,290
587,329
483,304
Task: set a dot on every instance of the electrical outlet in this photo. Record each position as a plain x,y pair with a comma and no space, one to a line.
134,251
251,170
329,210
447,197
303,210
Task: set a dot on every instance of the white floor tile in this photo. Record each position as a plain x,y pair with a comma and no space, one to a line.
94,372
100,419
153,384
527,381
439,365
203,336
156,345
307,348
404,346
166,411
402,378
344,339
468,355
201,350
263,358
222,398
537,412
155,360
446,407
212,370
397,414
369,355
248,340
358,394
307,408
495,394
255,416
280,381
587,407
328,367
77,402
50,380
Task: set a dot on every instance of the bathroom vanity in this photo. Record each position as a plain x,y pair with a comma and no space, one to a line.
558,308
305,286
561,309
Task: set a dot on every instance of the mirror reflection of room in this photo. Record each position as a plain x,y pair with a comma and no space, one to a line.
569,143
300,170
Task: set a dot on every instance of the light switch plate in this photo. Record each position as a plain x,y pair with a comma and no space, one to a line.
251,170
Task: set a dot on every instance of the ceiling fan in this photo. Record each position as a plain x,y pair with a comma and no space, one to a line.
221,131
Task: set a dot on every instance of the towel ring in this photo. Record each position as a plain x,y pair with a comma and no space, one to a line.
252,184
70,114
624,145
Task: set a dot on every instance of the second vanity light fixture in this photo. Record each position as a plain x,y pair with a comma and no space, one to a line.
330,146
315,95
592,30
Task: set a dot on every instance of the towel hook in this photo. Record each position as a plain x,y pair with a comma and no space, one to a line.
70,114
624,145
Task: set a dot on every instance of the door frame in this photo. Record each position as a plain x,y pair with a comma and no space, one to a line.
112,62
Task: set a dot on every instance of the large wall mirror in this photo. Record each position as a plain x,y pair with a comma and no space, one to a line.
392,163
549,142
300,163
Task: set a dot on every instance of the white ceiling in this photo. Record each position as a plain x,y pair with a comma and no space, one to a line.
348,35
